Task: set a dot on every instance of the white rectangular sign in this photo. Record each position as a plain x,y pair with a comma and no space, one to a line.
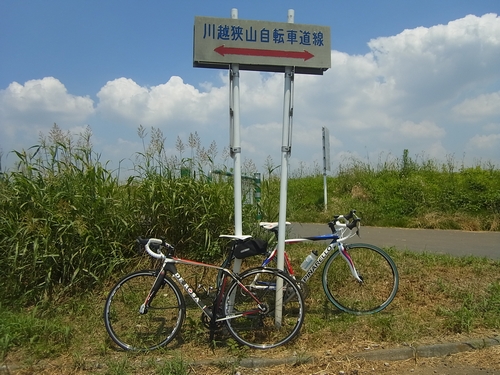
261,45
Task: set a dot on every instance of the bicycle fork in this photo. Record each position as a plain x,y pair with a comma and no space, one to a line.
152,293
343,252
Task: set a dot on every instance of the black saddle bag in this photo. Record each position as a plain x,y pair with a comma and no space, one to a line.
250,247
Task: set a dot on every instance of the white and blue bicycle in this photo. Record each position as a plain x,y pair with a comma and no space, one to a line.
357,278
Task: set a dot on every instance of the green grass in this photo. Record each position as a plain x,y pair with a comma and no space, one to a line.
35,330
439,296
68,222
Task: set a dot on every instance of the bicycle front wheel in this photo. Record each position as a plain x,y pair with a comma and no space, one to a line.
251,306
152,328
377,271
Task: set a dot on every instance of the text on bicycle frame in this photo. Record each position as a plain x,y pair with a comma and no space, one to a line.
189,290
318,262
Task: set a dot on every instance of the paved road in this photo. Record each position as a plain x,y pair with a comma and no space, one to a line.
454,242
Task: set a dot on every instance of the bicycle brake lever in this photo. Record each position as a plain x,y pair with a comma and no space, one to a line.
355,224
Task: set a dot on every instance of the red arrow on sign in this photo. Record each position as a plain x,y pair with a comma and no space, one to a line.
223,50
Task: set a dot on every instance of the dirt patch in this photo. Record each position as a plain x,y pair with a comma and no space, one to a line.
338,360
483,361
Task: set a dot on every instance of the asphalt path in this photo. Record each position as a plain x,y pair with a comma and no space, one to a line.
453,242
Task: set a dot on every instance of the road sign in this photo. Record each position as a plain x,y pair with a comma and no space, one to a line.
261,45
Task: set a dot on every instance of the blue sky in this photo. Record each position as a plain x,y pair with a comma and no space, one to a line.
420,75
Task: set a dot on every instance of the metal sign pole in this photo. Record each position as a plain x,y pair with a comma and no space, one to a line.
235,146
286,149
261,46
326,163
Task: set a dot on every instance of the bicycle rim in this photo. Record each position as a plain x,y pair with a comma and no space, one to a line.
258,326
132,330
378,272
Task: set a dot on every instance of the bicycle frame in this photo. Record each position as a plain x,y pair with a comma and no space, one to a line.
340,232
321,258
169,265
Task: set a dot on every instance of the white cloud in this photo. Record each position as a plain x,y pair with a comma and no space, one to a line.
435,150
425,129
437,64
26,110
400,95
484,148
487,142
164,105
47,96
480,107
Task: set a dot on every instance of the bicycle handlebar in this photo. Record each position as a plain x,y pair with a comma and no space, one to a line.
338,226
343,221
349,216
156,243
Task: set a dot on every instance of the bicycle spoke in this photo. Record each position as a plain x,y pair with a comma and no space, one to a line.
157,326
379,276
263,329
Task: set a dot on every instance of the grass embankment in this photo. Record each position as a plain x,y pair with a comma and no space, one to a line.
402,193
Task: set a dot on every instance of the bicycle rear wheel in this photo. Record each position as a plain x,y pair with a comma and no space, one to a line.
154,328
378,272
250,309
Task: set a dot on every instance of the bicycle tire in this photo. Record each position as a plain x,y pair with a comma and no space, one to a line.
258,328
378,272
130,329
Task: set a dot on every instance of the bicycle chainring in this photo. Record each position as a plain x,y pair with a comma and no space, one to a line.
206,322
304,289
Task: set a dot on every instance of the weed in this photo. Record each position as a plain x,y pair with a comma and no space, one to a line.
176,366
119,367
194,330
68,222
68,227
42,336
228,366
235,349
6,342
79,362
438,296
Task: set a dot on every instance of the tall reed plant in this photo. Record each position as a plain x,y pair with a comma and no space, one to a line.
68,221
64,221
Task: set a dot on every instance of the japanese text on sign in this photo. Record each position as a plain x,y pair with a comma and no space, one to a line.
278,36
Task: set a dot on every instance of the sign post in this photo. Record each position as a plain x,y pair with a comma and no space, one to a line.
326,161
288,48
286,150
235,145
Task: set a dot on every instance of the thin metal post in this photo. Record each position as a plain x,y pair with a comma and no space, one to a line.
286,149
235,147
257,193
326,163
325,193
